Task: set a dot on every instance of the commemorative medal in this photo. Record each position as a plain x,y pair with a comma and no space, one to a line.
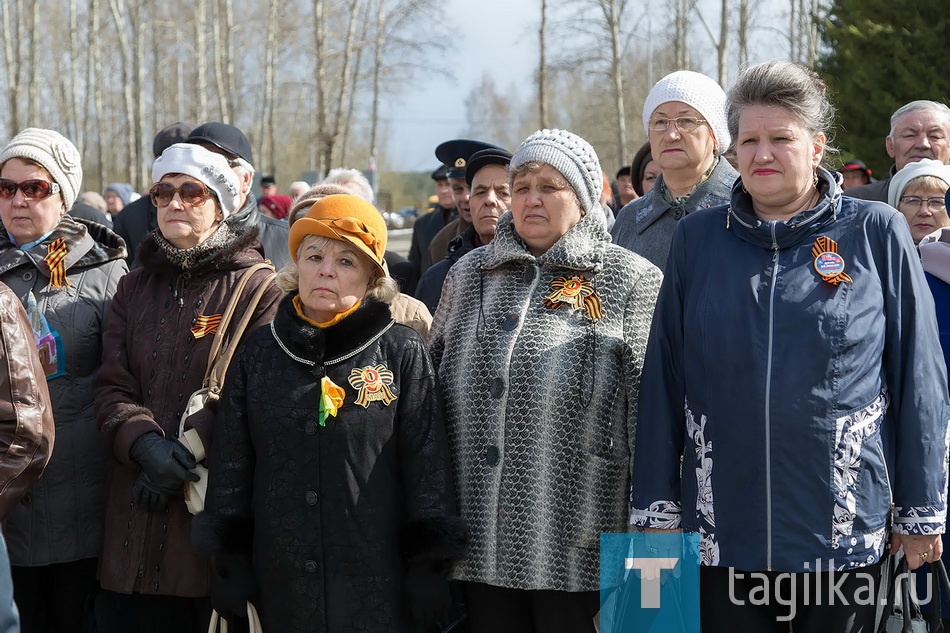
828,262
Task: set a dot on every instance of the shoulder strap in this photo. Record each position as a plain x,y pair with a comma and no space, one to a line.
236,295
219,368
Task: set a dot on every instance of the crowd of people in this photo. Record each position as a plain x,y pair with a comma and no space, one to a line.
731,344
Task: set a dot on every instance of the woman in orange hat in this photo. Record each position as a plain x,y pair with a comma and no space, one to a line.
330,502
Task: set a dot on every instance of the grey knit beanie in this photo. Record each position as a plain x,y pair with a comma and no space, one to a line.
55,153
569,154
697,91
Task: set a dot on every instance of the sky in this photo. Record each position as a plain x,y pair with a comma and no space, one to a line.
495,36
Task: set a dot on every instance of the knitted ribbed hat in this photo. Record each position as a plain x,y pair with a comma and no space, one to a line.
925,167
55,153
204,165
569,154
696,90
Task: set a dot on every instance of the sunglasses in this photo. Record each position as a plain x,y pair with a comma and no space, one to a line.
32,189
191,194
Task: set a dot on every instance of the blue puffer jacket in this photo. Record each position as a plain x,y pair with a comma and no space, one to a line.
811,416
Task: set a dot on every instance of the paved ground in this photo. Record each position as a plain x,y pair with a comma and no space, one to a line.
399,241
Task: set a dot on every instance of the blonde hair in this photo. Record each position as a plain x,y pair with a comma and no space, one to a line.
925,183
382,288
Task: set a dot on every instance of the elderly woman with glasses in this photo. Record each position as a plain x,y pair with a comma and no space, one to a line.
918,191
795,392
330,504
684,118
64,270
163,320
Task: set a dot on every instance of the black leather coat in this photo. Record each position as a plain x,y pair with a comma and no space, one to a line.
331,515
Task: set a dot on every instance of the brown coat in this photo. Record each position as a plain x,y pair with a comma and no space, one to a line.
152,363
26,414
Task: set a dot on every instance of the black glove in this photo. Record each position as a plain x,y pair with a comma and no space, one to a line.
428,599
233,586
146,494
166,462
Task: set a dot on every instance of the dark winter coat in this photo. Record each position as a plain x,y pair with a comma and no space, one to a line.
429,288
60,519
423,231
152,363
331,514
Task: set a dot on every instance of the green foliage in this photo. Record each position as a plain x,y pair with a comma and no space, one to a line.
879,55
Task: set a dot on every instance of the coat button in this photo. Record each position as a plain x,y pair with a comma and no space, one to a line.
677,214
529,273
310,427
491,455
26,500
155,585
312,498
510,322
28,275
311,566
497,387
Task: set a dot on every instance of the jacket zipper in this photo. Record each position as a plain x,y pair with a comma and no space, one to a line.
768,403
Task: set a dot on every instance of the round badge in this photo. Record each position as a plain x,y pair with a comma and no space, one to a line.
829,264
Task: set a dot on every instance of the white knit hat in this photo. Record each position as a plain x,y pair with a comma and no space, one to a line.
569,154
925,167
695,90
210,168
55,153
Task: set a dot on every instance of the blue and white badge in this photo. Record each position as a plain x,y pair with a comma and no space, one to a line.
829,264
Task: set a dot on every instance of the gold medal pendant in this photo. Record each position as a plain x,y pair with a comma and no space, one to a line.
575,292
372,384
828,263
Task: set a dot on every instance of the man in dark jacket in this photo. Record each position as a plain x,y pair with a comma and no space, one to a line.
428,225
919,129
140,217
231,143
487,176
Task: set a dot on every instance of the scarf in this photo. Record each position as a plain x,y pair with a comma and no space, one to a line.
187,258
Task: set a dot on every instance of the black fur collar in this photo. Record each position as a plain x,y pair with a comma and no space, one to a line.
240,252
322,344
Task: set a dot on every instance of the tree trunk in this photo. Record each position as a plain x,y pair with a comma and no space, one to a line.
722,49
319,114
138,91
119,11
543,67
95,77
613,10
31,66
743,33
271,44
378,37
201,60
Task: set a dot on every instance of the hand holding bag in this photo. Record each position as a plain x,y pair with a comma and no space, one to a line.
218,361
902,613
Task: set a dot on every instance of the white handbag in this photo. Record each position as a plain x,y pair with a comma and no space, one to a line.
220,625
218,361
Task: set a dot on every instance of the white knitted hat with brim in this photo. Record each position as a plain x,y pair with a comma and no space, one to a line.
569,154
53,152
210,168
697,91
925,167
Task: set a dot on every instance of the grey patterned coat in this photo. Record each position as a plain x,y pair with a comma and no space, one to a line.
646,225
541,400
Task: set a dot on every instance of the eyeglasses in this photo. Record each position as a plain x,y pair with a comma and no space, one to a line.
683,124
915,202
191,193
32,189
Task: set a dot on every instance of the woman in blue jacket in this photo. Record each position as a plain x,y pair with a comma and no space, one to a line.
792,365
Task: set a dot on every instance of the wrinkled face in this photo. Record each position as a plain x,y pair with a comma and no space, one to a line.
443,191
854,178
184,225
925,209
332,277
461,195
25,219
918,135
625,186
113,202
544,207
650,174
491,196
676,149
776,156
